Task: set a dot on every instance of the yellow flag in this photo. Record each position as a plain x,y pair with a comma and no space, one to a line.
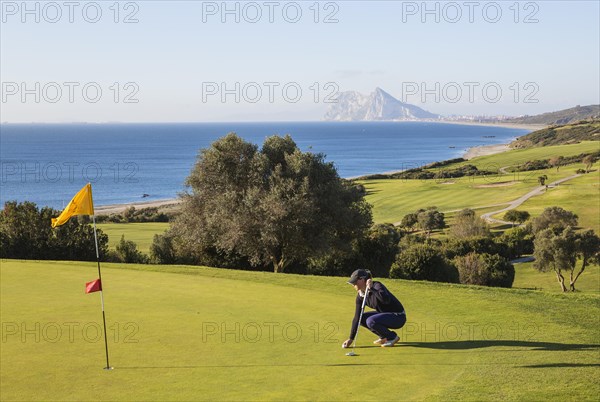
81,204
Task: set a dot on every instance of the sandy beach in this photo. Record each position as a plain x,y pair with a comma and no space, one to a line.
118,208
484,150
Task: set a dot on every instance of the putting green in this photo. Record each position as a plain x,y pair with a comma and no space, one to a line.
211,334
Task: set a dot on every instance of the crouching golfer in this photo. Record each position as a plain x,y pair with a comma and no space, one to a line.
389,312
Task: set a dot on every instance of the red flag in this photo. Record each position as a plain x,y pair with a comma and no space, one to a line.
93,286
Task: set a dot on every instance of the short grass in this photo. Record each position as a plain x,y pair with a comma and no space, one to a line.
193,333
141,233
580,195
527,277
392,199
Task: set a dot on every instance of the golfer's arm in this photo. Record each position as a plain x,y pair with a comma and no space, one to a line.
355,322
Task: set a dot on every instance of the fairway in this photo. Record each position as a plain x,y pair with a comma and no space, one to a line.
140,233
197,333
394,198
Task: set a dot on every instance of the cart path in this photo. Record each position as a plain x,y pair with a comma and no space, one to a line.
514,204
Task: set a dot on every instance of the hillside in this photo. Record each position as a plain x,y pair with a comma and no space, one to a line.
564,116
587,130
199,333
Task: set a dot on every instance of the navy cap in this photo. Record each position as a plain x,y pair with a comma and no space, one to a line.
358,274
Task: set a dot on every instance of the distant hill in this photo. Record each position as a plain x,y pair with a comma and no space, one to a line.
565,116
378,106
586,130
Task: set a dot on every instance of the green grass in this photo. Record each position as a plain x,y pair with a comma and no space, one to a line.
392,199
527,277
141,233
580,195
169,340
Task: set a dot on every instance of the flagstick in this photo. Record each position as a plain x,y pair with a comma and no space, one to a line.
101,294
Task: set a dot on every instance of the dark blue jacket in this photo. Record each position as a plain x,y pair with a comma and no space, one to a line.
380,299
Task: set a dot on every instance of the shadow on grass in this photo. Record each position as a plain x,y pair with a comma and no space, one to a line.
477,344
562,365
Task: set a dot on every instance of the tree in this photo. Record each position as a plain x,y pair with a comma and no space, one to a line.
519,241
556,161
555,251
378,249
587,247
423,262
272,206
588,161
556,218
409,221
430,219
128,252
467,224
26,233
515,216
485,270
542,179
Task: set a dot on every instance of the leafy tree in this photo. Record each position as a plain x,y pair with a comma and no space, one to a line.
588,161
162,250
273,206
587,247
556,161
423,262
128,252
519,241
409,221
26,233
542,180
479,244
555,251
430,219
515,216
485,270
377,250
467,224
554,217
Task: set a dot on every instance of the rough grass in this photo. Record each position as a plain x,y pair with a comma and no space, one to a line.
193,333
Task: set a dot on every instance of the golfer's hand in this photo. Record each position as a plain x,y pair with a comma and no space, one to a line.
347,343
369,283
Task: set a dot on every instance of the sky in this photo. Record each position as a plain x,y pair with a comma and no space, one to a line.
196,61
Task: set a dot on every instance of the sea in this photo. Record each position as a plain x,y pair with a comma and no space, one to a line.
126,163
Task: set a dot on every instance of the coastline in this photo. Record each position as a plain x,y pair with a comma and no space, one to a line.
118,208
484,150
470,153
532,127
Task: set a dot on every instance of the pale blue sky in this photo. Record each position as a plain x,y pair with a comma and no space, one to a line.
171,55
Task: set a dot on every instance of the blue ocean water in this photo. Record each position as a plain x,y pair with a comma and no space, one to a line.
48,163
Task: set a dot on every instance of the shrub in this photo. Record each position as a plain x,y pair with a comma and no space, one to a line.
485,270
423,262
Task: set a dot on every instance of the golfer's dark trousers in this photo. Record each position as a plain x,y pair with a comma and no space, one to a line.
379,323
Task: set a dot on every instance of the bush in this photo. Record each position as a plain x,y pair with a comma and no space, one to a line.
518,241
423,262
485,270
127,252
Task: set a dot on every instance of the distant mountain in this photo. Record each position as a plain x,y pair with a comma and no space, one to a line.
565,116
354,106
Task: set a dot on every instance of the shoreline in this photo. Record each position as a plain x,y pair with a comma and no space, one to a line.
473,152
118,208
470,153
532,127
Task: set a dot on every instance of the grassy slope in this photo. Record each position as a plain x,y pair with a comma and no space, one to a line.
527,277
141,233
512,344
392,199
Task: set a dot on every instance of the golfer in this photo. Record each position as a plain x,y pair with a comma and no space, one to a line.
389,312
